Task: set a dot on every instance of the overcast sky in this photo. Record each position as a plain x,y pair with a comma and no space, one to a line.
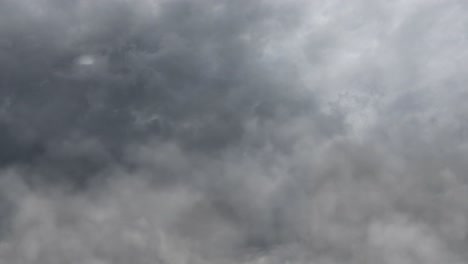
233,131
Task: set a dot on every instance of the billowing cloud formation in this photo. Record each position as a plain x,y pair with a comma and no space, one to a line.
177,131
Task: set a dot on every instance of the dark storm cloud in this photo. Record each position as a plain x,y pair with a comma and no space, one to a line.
184,71
232,131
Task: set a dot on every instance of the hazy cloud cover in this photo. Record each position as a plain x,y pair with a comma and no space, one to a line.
216,131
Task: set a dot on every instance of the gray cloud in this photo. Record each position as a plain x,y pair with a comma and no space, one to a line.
233,131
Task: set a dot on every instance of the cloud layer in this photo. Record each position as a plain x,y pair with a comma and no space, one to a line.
177,131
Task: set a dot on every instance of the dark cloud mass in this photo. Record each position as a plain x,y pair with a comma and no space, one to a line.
216,131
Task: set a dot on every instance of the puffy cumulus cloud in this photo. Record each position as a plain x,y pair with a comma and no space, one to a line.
176,131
